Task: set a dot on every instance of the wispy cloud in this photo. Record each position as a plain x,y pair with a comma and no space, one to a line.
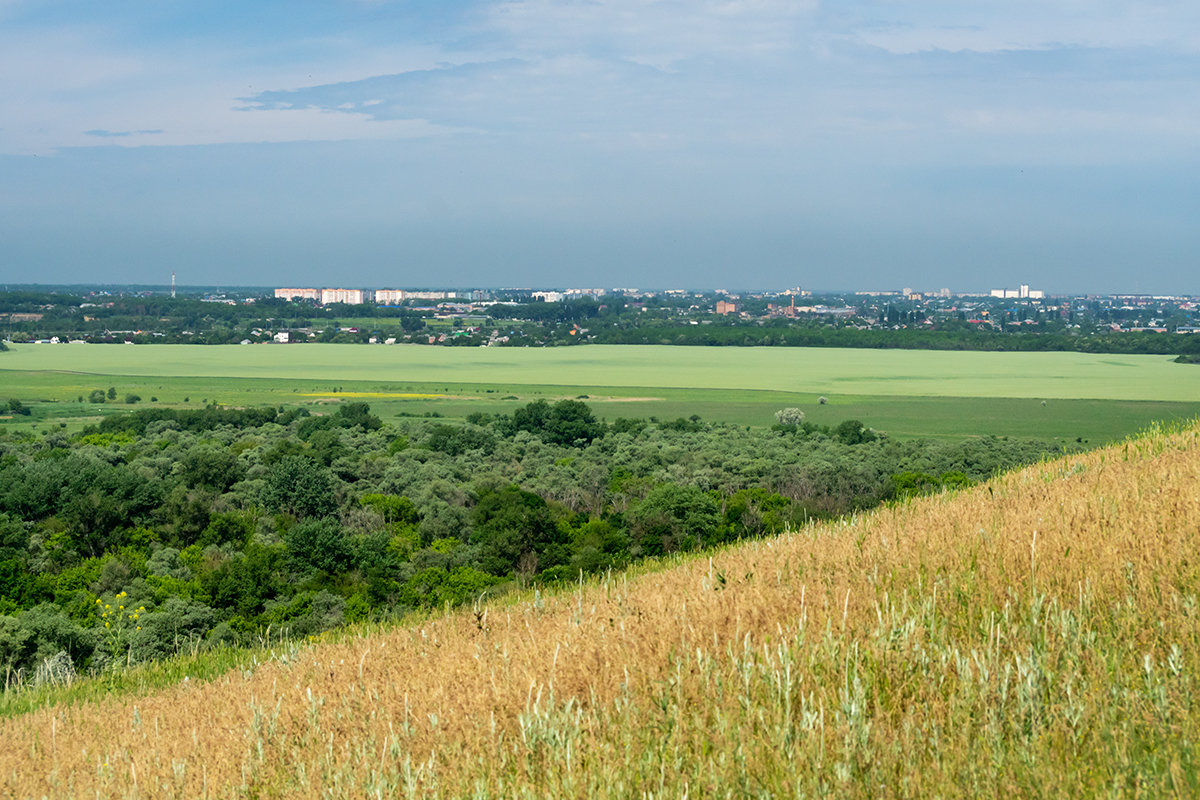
61,83
949,25
683,71
657,32
116,134
550,96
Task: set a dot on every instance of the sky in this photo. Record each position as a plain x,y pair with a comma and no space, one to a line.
698,144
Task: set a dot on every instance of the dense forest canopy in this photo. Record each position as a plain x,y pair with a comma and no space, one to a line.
165,528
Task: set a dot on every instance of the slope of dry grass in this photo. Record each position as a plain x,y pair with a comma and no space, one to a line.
1038,635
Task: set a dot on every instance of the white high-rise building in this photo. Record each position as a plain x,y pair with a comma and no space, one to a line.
294,294
389,296
350,296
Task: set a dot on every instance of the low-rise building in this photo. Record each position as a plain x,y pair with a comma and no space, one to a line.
726,307
1023,292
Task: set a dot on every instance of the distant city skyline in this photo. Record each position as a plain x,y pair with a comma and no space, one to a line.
693,143
400,292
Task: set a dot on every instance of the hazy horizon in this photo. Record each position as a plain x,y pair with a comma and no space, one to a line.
192,289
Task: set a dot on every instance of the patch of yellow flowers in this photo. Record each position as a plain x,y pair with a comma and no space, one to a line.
117,621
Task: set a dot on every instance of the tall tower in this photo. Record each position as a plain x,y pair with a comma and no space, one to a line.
172,285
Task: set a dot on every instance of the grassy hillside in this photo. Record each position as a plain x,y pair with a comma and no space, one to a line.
1038,635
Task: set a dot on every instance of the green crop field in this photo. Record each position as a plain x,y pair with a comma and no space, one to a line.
905,393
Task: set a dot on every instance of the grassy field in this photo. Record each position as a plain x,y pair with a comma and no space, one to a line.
800,370
905,393
1035,636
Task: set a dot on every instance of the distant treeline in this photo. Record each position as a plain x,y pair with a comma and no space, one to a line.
195,420
27,316
791,335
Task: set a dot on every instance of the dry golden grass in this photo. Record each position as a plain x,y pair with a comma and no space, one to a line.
1035,636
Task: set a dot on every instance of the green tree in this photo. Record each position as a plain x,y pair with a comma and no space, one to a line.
358,415
674,518
454,440
246,582
434,587
755,511
319,544
400,519
18,645
102,502
567,422
207,467
327,446
515,532
232,527
597,544
531,417
854,432
394,509
571,422
54,631
300,487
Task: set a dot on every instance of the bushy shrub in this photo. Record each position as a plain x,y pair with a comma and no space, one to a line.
170,628
435,587
789,416
454,440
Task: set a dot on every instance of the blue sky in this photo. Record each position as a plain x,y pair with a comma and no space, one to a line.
732,144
